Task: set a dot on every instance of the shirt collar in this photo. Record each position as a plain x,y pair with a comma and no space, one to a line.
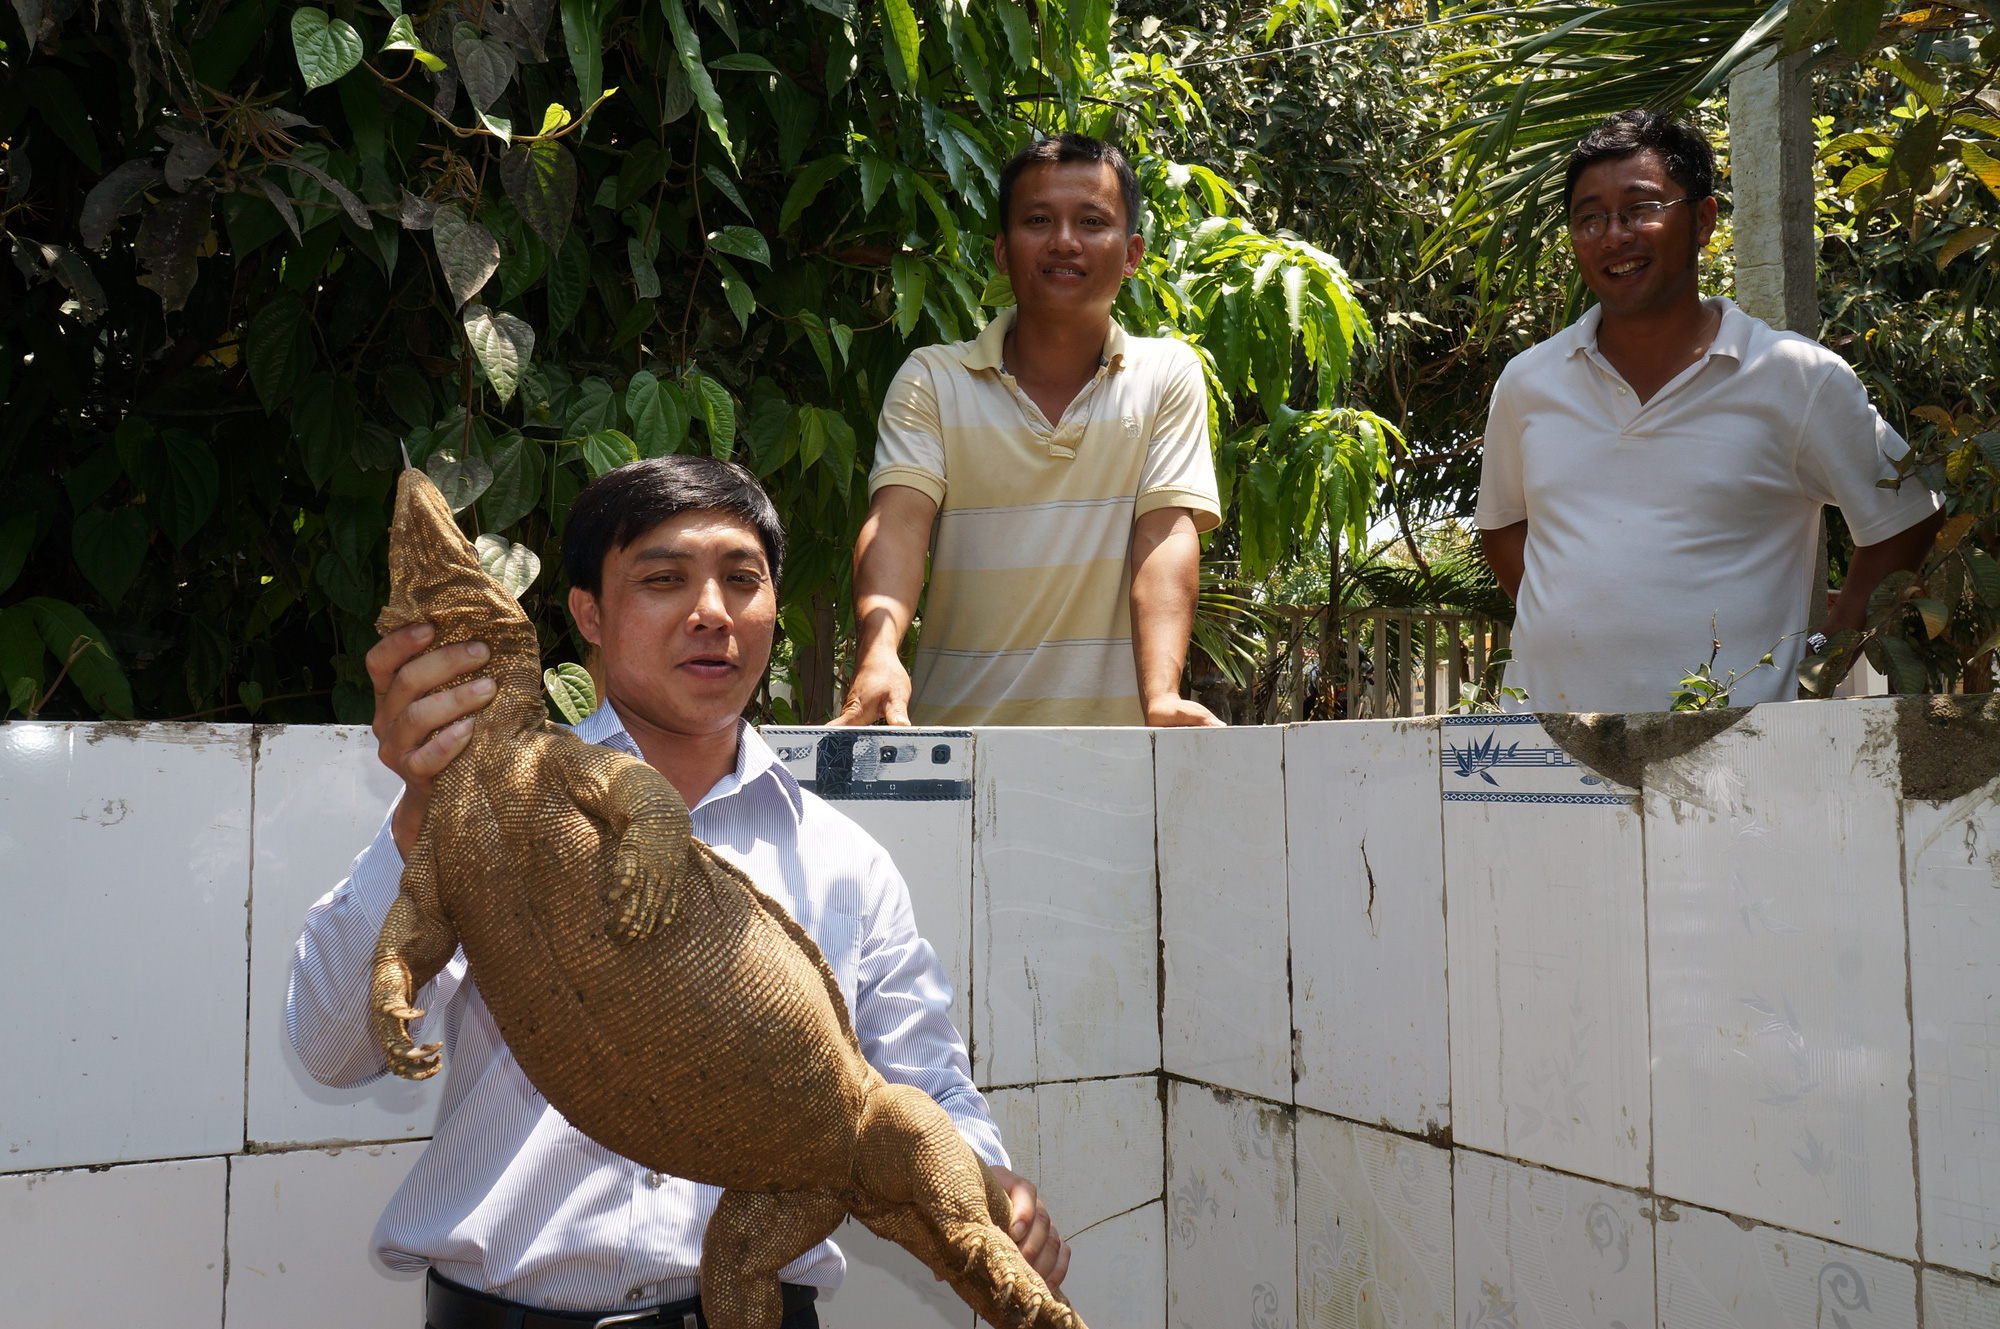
1731,339
989,350
755,762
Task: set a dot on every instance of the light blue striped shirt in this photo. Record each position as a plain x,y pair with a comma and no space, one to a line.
511,1198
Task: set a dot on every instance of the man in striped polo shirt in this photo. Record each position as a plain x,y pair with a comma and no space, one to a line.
1066,467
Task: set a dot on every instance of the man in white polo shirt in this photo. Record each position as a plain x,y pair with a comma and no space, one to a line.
1661,463
1066,467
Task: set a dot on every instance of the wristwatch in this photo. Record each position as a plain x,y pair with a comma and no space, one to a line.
1816,643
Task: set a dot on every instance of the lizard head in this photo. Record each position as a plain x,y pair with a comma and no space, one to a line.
435,578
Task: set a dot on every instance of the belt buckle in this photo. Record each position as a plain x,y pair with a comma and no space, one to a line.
688,1320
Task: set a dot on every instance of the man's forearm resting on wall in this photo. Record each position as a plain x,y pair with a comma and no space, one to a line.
888,580
1166,576
1506,549
1902,552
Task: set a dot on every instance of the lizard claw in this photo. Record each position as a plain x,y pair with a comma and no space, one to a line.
413,1061
639,894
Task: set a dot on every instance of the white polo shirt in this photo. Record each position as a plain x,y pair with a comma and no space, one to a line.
1645,520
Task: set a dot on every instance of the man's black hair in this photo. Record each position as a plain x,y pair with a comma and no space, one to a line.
1680,146
1071,148
620,506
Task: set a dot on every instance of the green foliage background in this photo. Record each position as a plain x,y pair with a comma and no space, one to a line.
260,250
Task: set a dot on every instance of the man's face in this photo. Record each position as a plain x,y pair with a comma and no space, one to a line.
684,621
1067,243
1635,270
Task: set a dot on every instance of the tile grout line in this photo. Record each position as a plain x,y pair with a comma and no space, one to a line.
1434,754
1299,1307
1652,1125
1910,1014
249,992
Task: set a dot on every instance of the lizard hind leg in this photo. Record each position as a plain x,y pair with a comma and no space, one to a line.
751,1237
927,1191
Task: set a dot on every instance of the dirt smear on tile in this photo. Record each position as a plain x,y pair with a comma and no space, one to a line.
1621,747
1947,746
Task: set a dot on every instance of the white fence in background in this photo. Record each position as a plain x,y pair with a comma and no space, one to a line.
1400,1023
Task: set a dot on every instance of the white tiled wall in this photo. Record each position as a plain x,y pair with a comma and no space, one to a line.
321,797
140,1245
1717,1273
1065,924
1562,1053
1953,857
1365,862
1780,1030
1546,923
1539,1250
299,1249
125,890
1226,1016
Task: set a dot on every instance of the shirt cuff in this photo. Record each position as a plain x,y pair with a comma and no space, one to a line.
1497,519
910,477
1207,515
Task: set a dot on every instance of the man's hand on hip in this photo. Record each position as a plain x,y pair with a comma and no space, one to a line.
417,734
1032,1230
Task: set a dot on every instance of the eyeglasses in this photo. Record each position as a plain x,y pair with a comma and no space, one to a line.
1647,216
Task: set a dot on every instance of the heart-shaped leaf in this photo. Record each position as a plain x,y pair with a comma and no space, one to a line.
486,64
517,482
466,251
572,690
250,694
514,566
718,412
326,47
461,482
503,345
659,414
607,450
540,178
109,547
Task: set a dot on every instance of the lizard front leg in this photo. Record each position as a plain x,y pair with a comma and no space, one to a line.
414,945
653,850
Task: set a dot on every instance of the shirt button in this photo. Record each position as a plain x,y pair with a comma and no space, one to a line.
635,1294
653,1180
1621,392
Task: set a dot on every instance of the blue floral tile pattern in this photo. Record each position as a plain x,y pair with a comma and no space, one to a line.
1511,759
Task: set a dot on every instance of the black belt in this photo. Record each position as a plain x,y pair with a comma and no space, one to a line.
447,1305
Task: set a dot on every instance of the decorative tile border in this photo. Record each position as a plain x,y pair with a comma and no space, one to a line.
898,765
1511,759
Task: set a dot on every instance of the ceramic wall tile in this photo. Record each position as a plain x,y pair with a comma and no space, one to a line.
1781,1033
1538,1250
122,961
1065,926
1118,1271
136,1245
300,1255
1374,1228
1365,860
1226,1012
321,797
1231,1215
1547,941
1092,1147
1953,856
1952,1302
912,791
1715,1274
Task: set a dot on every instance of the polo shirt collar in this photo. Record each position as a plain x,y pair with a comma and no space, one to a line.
756,764
990,349
1731,339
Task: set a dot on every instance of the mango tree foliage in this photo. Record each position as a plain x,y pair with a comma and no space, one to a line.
263,251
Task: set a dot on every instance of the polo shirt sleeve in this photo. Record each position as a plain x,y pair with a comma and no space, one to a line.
1180,469
1844,447
1503,498
909,437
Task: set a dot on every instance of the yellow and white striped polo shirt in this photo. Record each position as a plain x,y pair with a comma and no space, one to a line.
1029,616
